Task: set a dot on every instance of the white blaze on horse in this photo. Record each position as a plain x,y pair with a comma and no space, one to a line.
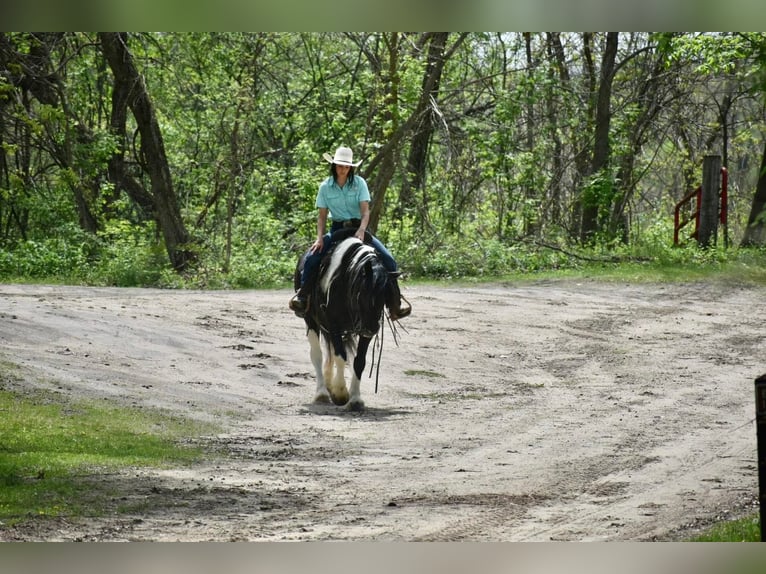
345,311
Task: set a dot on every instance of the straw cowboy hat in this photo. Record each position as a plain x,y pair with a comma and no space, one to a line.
343,156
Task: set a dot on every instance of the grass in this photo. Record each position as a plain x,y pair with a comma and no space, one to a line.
738,268
746,529
733,272
55,453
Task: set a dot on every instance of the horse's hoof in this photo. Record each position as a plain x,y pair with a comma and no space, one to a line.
355,406
340,400
322,399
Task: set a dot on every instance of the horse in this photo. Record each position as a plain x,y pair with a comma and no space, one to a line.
345,312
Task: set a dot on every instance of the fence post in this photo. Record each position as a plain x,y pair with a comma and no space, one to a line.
760,421
711,182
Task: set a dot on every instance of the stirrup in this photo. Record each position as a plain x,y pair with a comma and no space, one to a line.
402,312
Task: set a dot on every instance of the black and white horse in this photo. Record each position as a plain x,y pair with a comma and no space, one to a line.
345,312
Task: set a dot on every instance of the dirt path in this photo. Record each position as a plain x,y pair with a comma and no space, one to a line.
550,411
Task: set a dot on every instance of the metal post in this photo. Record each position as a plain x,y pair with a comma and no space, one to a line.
710,200
725,205
760,420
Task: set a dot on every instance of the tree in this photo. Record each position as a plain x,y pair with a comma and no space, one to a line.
600,187
755,232
130,90
385,160
414,177
649,94
115,143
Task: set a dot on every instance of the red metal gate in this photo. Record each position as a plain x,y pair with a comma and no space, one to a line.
692,212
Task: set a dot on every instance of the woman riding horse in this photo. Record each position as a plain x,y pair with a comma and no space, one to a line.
346,198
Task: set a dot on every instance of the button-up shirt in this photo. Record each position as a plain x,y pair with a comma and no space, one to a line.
343,202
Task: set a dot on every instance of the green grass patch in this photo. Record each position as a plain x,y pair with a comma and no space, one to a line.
746,529
734,266
53,453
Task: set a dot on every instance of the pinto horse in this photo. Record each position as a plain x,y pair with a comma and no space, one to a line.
345,311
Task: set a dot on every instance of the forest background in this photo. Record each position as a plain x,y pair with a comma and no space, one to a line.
193,159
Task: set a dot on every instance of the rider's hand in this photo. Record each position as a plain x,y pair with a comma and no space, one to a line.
318,244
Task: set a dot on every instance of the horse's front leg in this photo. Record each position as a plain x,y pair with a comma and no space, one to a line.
355,403
335,372
321,395
338,390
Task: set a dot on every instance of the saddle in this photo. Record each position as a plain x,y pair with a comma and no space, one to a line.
346,232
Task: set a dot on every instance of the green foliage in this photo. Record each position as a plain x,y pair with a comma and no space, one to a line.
245,118
128,258
128,255
746,529
64,255
599,191
463,257
714,53
122,256
468,254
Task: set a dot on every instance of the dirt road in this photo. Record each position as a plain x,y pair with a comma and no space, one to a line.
570,410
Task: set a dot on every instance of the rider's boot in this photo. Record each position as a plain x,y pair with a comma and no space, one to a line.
299,304
394,299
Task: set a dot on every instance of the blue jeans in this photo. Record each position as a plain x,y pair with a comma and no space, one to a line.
313,259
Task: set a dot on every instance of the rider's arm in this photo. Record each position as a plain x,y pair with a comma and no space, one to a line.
322,222
364,208
321,228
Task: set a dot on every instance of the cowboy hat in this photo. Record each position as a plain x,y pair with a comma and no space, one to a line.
343,156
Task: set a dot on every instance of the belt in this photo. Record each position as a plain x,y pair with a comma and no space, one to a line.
346,223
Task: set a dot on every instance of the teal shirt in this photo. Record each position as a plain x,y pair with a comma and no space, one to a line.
343,202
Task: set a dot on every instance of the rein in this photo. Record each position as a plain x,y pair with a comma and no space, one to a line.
394,331
380,356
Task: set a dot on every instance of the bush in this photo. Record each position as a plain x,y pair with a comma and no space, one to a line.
456,257
264,251
54,257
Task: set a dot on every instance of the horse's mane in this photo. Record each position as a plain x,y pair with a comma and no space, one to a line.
360,264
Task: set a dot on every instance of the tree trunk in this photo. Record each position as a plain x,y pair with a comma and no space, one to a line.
554,48
386,156
116,165
164,200
416,165
755,232
710,200
579,132
601,146
531,215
